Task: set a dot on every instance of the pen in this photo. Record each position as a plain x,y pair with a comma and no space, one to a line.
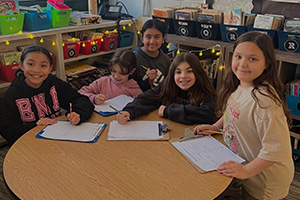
146,68
210,131
114,108
70,107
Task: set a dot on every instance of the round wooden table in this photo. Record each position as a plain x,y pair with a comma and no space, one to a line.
51,169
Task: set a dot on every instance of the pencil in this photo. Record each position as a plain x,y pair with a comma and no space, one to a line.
146,68
114,108
210,131
70,107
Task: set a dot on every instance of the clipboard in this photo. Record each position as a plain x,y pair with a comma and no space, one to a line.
162,131
81,135
189,136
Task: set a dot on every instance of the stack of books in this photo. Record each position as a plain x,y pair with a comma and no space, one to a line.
268,21
210,16
187,14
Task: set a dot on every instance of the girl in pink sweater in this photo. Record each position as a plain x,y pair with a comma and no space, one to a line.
122,65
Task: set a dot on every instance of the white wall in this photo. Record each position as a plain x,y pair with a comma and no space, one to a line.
138,7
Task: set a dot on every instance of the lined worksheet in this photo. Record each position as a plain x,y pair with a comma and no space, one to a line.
206,152
134,130
64,130
118,102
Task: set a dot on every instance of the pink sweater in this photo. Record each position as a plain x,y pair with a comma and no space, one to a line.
108,86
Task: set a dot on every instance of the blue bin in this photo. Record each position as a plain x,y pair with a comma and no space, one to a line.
36,21
169,24
293,104
289,41
230,33
125,39
272,33
185,28
208,31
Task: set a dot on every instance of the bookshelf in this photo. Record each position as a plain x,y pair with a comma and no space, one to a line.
55,35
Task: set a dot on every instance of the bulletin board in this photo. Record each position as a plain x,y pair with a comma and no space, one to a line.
280,7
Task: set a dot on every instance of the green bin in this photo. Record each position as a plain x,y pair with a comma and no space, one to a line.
10,24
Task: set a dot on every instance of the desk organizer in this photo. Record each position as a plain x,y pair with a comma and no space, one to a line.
59,18
293,104
109,43
88,47
125,39
185,28
272,33
7,72
229,33
37,21
169,24
71,49
289,41
10,24
208,31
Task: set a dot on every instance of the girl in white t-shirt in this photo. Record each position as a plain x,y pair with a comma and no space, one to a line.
255,120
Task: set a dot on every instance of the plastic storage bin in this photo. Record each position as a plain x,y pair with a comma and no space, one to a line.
109,43
71,49
289,41
10,24
271,33
293,104
37,21
88,47
229,33
208,31
59,18
7,72
169,24
125,39
185,28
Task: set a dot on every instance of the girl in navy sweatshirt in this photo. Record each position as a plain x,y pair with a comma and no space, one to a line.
35,97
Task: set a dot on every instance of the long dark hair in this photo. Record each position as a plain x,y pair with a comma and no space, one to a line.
155,23
36,48
197,93
268,79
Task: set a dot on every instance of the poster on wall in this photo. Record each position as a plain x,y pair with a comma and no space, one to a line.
286,1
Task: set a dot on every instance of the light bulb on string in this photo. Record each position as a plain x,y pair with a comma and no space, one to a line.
213,50
20,33
168,46
30,36
124,27
221,67
139,32
218,53
7,42
53,43
83,44
63,44
178,52
200,53
129,24
41,40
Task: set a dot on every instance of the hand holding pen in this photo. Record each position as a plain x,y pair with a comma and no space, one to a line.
73,117
123,117
206,129
151,73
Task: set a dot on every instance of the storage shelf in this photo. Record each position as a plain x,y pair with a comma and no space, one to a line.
81,57
55,34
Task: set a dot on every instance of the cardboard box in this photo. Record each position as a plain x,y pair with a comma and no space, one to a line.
79,18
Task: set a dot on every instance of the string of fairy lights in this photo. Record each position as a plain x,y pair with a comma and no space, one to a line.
123,27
